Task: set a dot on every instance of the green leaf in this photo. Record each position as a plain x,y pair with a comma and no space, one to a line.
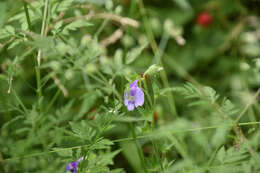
10,29
102,144
63,5
14,43
8,123
63,152
2,13
98,2
134,53
75,25
7,32
184,4
221,154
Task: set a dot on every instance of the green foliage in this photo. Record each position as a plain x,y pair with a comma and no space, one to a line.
65,65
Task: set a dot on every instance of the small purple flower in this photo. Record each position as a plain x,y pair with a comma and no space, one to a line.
73,166
134,96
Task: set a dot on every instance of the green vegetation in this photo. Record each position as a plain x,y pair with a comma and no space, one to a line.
65,71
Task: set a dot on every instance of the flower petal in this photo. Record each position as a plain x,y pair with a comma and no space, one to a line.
125,98
72,167
130,106
134,84
139,97
133,91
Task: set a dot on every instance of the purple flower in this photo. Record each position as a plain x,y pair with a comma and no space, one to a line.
73,166
134,96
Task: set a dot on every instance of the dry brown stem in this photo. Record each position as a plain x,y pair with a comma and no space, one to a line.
112,38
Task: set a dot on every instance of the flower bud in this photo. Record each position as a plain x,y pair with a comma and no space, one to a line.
152,70
118,9
109,5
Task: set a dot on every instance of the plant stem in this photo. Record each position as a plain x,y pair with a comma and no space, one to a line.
213,155
19,101
121,140
158,56
140,153
27,15
43,29
247,106
100,29
156,149
147,91
158,53
54,98
37,68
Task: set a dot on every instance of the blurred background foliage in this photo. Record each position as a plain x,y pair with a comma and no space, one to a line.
71,105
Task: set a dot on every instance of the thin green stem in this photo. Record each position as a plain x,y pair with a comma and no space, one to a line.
132,8
101,28
213,156
38,81
170,95
37,68
27,15
140,153
247,106
158,54
54,98
147,26
158,57
147,91
162,47
19,101
156,149
129,139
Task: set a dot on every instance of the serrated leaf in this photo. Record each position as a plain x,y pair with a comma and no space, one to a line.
7,32
134,53
58,25
10,29
64,5
3,13
63,152
220,135
12,121
98,2
102,144
221,154
14,44
75,25
211,94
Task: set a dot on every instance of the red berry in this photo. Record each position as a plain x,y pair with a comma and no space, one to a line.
204,19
